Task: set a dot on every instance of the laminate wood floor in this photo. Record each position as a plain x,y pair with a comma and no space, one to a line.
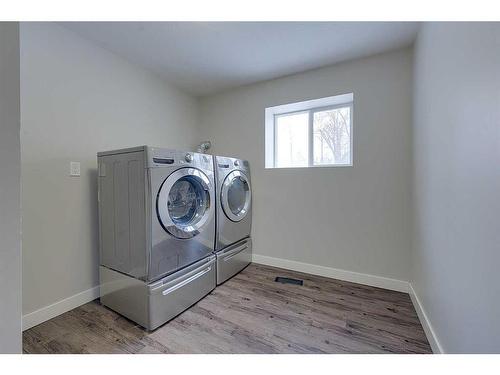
251,313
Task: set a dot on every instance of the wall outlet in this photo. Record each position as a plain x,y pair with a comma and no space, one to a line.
74,168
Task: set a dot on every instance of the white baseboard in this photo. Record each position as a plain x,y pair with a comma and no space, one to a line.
48,312
334,273
426,323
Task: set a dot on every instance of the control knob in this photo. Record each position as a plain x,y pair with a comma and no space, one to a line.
189,158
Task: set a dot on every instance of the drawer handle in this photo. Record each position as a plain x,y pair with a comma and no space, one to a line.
187,281
234,253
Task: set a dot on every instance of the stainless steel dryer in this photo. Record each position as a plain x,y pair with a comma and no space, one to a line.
233,244
157,231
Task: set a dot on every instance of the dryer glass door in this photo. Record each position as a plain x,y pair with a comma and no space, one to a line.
183,203
236,196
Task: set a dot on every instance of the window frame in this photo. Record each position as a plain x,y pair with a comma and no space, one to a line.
272,113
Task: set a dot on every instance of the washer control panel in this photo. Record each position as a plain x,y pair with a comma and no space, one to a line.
162,157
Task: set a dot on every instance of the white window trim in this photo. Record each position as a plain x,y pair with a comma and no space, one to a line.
310,106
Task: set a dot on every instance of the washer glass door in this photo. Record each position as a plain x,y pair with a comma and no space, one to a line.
183,203
236,196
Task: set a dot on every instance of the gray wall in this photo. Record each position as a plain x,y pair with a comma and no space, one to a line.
78,99
353,218
456,251
10,188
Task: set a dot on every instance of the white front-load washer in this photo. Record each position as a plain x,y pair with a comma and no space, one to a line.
157,231
233,244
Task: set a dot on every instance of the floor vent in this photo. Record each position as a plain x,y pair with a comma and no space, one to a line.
287,280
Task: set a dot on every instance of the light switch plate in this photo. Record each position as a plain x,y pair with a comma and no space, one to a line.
74,168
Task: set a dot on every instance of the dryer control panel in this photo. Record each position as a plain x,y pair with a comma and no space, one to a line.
227,163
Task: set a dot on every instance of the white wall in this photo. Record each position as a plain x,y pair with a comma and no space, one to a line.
456,252
78,99
353,218
10,188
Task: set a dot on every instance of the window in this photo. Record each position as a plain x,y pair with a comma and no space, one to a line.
313,133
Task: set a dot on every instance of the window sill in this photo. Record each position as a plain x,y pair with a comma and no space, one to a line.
313,166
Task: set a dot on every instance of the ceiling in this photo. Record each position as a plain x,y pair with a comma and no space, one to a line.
206,57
